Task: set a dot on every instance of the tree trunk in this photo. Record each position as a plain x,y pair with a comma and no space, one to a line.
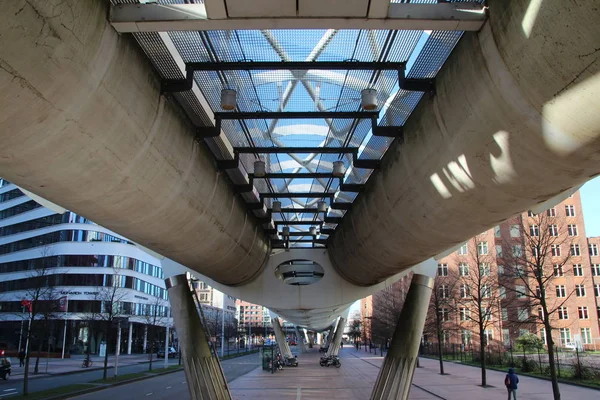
440,353
106,338
26,372
551,361
36,369
482,356
151,350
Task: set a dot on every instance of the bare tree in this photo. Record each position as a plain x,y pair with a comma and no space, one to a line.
479,292
41,301
155,314
110,296
387,305
441,306
531,272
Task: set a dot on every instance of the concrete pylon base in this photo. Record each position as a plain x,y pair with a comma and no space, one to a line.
334,343
202,368
396,374
284,348
300,341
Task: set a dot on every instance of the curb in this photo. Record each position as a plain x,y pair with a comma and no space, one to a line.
108,386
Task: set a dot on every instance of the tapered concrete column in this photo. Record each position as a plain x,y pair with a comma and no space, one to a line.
319,338
311,339
129,337
329,336
202,369
280,336
300,340
396,374
334,343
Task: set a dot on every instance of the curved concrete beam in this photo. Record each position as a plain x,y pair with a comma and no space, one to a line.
515,121
83,124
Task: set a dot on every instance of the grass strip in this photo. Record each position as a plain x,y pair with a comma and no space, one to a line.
120,378
63,390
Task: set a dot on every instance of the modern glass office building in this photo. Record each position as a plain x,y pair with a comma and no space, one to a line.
79,261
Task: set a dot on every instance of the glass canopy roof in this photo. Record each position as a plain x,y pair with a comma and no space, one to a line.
273,90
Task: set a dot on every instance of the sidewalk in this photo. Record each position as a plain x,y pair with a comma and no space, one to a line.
462,382
58,366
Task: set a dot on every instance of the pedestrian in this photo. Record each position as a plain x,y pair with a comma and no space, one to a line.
511,381
22,358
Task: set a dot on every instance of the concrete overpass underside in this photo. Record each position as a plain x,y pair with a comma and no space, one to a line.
480,113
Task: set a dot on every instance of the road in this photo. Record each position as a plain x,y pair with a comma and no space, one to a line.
13,387
171,386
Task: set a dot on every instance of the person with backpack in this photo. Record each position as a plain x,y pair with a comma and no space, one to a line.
511,381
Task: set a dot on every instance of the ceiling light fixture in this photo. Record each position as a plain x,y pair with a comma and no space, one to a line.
368,99
228,99
339,169
259,169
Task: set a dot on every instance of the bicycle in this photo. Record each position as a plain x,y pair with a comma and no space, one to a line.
87,363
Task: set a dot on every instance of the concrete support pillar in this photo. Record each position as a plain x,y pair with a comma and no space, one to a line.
329,336
311,339
202,369
129,337
396,374
334,343
280,337
300,340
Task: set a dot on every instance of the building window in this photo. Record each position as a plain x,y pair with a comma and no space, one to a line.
583,312
482,248
595,269
551,212
466,337
500,269
572,229
534,230
570,210
586,336
498,251
593,249
530,213
563,312
497,232
517,250
444,292
540,313
565,335
465,314
553,230
515,231
519,272
502,292
580,290
597,290
561,291
505,337
520,291
444,314
465,291
522,313
558,270
463,250
489,335
486,291
575,251
535,252
485,269
577,270
463,269
543,336
443,269
538,292
555,250
505,314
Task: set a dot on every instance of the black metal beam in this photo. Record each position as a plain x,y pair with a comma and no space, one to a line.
295,115
341,206
317,222
298,175
209,131
333,220
303,195
366,164
295,65
293,150
388,131
316,241
351,187
297,210
418,85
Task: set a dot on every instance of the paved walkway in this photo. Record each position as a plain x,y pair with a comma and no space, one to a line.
58,366
355,380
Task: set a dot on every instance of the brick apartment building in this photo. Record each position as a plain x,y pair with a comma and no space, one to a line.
504,254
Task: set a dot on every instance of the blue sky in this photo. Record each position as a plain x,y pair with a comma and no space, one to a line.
590,199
